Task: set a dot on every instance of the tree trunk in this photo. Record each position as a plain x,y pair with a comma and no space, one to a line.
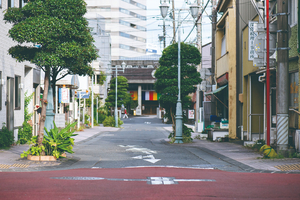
44,105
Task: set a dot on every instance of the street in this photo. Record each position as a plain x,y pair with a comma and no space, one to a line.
137,162
142,142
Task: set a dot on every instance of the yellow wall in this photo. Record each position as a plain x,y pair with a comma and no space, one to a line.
231,48
229,18
257,88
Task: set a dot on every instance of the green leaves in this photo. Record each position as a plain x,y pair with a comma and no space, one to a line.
61,30
122,96
167,76
60,140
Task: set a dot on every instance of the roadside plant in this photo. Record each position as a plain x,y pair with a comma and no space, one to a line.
186,135
25,132
110,121
6,137
55,143
60,141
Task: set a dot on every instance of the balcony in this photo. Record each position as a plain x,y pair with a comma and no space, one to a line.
222,65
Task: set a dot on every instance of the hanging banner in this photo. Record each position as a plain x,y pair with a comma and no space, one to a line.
64,95
251,37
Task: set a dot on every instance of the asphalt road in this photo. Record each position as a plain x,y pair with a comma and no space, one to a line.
136,162
142,142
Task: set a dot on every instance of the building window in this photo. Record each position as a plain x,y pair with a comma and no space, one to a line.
136,4
0,3
17,92
122,10
11,3
123,46
132,37
21,3
132,25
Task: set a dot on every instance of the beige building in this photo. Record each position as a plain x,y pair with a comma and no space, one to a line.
225,71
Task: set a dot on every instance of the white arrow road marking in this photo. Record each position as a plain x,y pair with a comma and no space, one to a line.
152,159
149,158
134,148
143,150
138,157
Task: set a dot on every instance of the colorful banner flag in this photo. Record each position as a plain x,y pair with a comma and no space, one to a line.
146,95
134,95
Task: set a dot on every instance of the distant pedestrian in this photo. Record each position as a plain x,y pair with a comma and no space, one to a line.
125,114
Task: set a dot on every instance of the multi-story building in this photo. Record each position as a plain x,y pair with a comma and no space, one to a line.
15,79
125,21
226,67
102,65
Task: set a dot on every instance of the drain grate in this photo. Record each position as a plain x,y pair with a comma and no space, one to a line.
291,167
16,165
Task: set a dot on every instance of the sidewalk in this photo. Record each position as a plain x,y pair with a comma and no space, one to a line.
246,159
10,159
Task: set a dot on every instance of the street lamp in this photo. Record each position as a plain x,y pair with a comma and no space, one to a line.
164,11
194,8
194,11
116,103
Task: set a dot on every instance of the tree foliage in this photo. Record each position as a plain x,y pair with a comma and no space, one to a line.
167,76
54,35
122,96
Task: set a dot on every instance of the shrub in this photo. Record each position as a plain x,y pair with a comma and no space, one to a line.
55,143
186,135
6,137
110,121
24,133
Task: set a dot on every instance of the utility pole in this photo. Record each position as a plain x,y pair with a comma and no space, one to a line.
199,44
213,39
173,13
282,76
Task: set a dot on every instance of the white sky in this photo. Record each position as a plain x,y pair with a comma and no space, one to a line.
154,24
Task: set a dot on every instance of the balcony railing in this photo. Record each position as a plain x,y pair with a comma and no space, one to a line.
222,65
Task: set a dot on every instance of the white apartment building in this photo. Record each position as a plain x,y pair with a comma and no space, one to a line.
15,78
103,45
126,22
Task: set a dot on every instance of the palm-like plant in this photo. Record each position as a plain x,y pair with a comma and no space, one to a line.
60,141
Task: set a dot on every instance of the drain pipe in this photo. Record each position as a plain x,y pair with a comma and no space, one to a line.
262,79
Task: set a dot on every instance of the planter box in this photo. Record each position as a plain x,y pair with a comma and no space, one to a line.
41,158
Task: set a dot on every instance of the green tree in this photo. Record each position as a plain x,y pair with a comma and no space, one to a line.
167,77
54,35
122,96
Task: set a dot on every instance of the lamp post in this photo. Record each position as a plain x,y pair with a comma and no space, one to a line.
116,103
178,116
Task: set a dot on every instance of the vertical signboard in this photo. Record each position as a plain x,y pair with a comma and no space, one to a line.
251,37
64,95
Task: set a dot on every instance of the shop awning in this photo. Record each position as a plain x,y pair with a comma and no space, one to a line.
217,90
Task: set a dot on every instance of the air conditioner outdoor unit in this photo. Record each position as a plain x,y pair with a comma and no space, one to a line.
297,140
